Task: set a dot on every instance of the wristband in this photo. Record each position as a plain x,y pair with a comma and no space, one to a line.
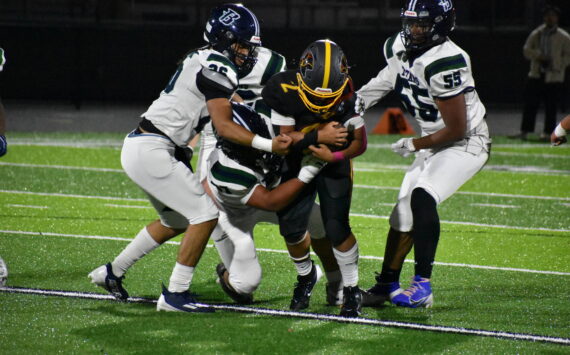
261,143
338,156
559,131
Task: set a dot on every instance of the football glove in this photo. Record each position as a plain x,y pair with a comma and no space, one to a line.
359,105
310,167
3,145
404,147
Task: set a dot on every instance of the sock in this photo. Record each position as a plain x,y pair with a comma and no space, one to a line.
348,264
181,278
304,264
333,276
139,247
426,231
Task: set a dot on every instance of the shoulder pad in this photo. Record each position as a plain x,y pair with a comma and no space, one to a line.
389,46
444,64
217,80
275,65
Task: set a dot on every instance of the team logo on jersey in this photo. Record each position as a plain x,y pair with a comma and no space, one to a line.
229,16
446,4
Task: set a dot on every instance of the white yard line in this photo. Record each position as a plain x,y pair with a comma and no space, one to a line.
126,206
494,205
473,224
309,315
27,206
489,194
368,257
362,167
352,214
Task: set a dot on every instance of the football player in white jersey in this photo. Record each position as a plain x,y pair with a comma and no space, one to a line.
252,79
433,77
153,155
244,182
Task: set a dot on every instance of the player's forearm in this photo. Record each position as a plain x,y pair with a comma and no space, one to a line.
566,123
221,114
444,136
278,198
357,146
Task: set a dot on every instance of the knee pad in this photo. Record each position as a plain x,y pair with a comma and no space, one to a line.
424,210
246,283
337,231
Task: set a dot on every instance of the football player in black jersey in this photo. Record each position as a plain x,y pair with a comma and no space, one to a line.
314,105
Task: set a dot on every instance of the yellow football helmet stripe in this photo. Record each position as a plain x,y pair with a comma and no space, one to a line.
327,64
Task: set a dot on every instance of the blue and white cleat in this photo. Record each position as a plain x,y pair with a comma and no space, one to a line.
417,295
103,277
180,302
380,293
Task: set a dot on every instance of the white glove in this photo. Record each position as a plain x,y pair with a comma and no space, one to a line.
359,105
310,167
404,147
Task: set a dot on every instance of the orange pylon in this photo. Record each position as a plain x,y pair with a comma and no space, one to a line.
393,121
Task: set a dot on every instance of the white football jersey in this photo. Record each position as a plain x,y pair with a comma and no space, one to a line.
443,71
180,110
249,89
232,183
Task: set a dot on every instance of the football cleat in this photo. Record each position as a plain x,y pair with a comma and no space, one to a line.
352,302
304,288
103,276
229,290
334,293
180,302
3,273
417,295
382,292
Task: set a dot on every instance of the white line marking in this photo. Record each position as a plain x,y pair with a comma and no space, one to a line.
530,155
376,168
27,206
352,214
126,206
544,145
120,239
315,316
472,224
494,205
490,194
565,204
63,167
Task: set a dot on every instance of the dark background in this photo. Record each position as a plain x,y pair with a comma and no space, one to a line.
125,51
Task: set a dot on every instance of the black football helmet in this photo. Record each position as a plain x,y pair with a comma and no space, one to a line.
322,76
268,164
436,18
231,24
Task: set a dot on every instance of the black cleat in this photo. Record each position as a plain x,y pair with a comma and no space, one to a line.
229,290
304,288
352,303
380,293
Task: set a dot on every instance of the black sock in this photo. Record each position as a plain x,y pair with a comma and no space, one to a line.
425,232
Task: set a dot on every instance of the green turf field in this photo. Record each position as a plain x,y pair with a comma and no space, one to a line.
503,262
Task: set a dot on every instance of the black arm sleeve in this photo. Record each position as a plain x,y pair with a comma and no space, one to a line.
309,139
214,85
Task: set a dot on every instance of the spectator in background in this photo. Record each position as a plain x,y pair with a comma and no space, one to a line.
3,143
548,49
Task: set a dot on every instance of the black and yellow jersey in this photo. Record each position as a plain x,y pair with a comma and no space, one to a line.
281,95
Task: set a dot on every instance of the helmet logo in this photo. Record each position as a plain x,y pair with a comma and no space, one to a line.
229,16
445,4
